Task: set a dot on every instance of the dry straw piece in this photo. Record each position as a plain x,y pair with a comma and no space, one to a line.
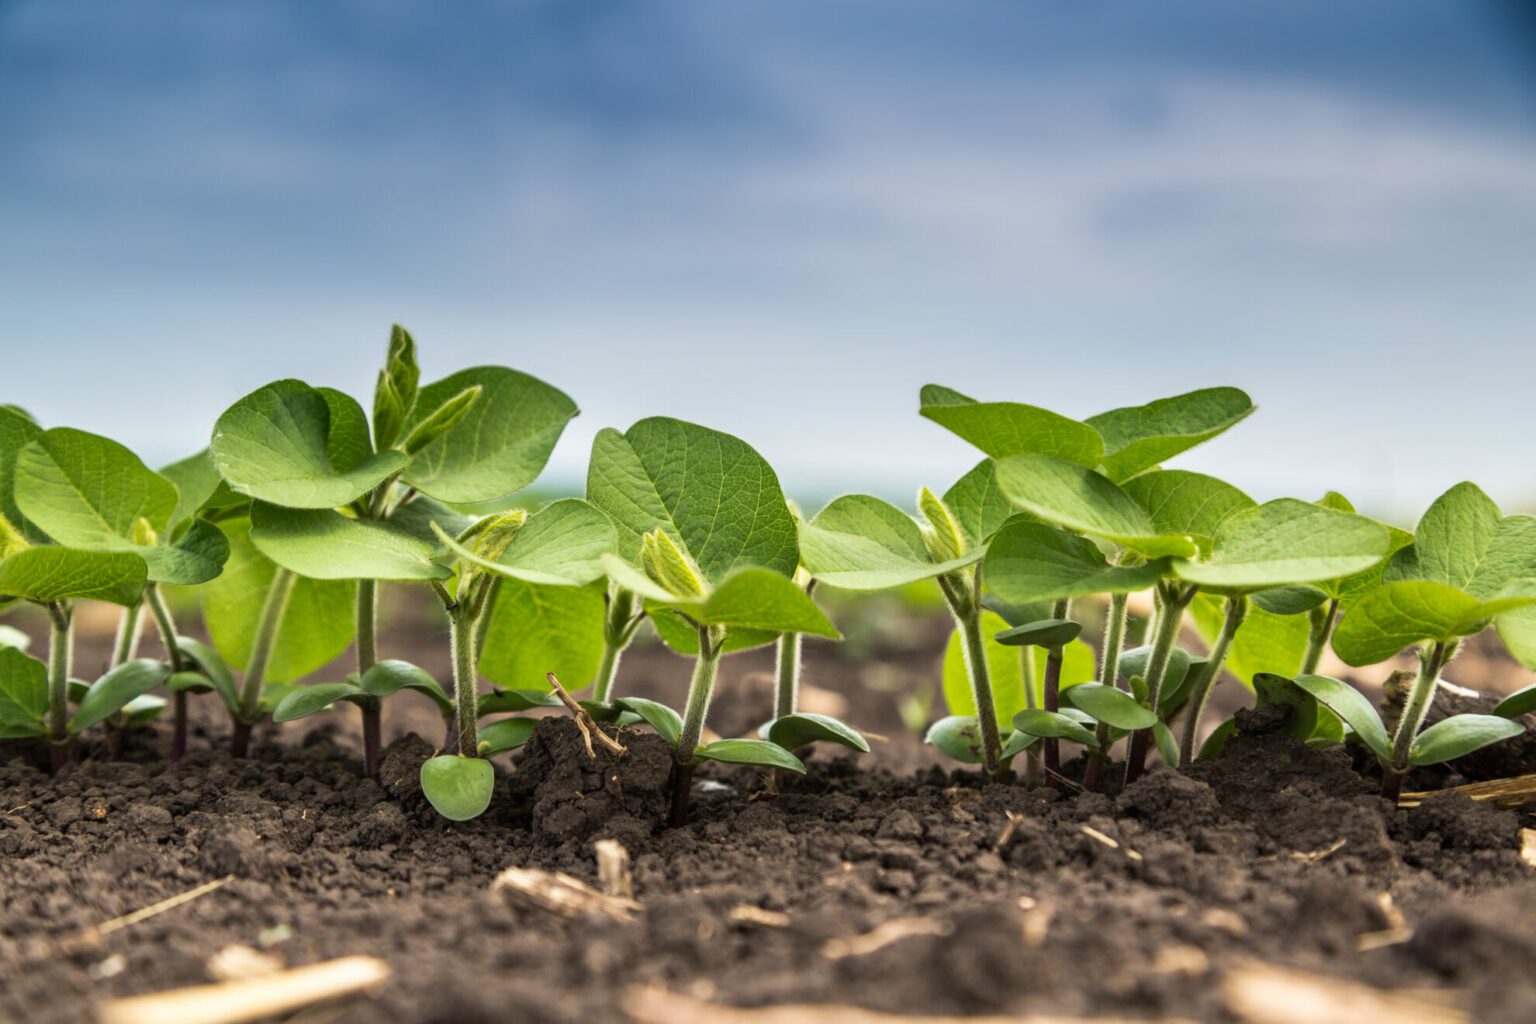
267,995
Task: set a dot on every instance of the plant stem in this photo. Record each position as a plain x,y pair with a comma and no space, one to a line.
1052,696
974,647
1032,763
1171,601
706,668
272,609
1432,659
1109,674
1205,682
61,652
1317,638
466,688
126,644
618,629
166,627
787,694
367,656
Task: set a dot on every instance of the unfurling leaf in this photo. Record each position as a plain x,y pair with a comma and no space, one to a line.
669,566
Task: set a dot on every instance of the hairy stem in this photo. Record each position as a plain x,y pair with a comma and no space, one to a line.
787,672
368,656
618,630
1032,762
126,644
166,627
974,647
466,688
272,609
1205,682
706,668
1170,616
1432,660
1052,699
61,653
1322,620
1109,675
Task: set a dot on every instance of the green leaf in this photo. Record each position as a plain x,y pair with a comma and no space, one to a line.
1029,562
1008,428
1291,600
1459,736
1139,437
88,491
391,675
1353,707
1265,642
1167,746
1216,742
109,694
197,480
1287,541
323,544
1396,615
1134,663
142,710
16,430
979,504
1309,719
667,723
754,752
23,694
189,682
502,701
1046,633
443,419
46,574
862,543
682,635
498,445
1006,667
196,556
1518,631
506,734
1181,502
1053,725
395,392
536,629
10,636
562,544
308,700
459,788
1521,702
760,599
709,491
1465,542
958,736
803,728
318,624
275,444
214,671
1079,499
1111,706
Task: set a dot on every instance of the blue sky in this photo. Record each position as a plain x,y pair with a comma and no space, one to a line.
781,219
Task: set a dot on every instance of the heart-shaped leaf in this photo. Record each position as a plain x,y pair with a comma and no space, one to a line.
1459,736
109,694
709,491
958,737
275,444
1079,499
1352,706
309,700
506,734
1046,633
562,544
1464,541
1139,437
804,728
459,788
862,543
1287,541
1029,562
1053,725
760,599
1010,428
23,694
1192,504
88,491
1111,706
45,574
753,752
536,629
323,544
667,723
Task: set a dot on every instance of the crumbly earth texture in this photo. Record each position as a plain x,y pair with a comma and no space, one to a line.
930,893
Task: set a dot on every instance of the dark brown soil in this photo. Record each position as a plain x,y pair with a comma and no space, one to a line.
1023,900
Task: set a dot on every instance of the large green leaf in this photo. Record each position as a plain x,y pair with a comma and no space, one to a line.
1396,615
1353,707
23,694
1080,499
275,444
862,543
1009,428
458,788
197,480
1465,542
709,491
1459,736
88,491
1181,502
1287,541
324,544
562,544
760,599
535,629
50,573
16,430
109,694
1265,642
318,624
979,504
1028,562
1518,631
1139,437
1347,589
499,445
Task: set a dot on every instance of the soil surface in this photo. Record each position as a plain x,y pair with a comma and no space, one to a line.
886,882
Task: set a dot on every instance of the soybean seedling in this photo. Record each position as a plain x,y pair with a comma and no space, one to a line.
707,540
334,498
1468,566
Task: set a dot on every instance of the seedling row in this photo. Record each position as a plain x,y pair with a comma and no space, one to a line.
303,503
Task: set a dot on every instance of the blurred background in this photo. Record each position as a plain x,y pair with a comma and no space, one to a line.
781,219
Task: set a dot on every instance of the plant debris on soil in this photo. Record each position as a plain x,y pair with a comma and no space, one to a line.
927,894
